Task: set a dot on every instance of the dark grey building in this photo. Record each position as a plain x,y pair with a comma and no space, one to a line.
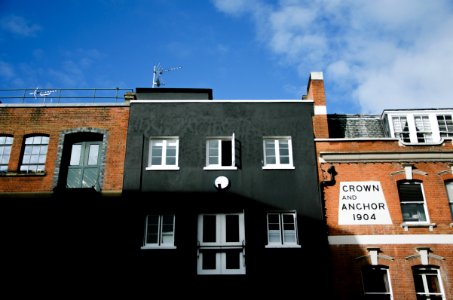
224,194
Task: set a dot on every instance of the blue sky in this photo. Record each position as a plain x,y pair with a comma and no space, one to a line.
375,55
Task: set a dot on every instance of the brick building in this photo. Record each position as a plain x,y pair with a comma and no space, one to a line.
387,183
61,179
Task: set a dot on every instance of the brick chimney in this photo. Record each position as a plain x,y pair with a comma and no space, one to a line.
315,92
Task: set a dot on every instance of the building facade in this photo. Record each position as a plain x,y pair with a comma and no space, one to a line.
61,178
225,193
387,184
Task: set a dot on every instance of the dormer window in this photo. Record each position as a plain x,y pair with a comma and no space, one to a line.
427,127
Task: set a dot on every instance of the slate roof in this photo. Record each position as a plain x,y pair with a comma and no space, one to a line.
355,126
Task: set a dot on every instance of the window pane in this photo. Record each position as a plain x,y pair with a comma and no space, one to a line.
269,149
152,229
413,212
209,229
93,155
232,228
171,153
375,280
233,259
449,186
156,153
209,260
284,152
2,140
273,223
410,192
75,155
213,152
226,153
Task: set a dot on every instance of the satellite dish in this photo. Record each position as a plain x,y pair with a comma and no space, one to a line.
221,182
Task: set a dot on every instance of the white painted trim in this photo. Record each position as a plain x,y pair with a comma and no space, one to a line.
320,110
391,239
214,167
162,168
222,101
385,157
316,76
153,247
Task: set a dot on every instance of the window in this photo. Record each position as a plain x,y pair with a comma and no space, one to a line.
159,232
281,229
221,153
163,154
412,201
449,186
445,124
401,128
83,169
376,283
5,150
35,152
221,244
428,284
421,127
278,153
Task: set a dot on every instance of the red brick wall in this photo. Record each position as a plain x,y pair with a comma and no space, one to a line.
347,274
52,121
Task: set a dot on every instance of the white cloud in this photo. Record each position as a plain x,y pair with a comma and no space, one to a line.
19,26
384,54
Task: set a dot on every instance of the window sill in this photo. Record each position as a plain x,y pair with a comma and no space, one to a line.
20,174
282,246
155,247
278,167
162,168
406,225
213,168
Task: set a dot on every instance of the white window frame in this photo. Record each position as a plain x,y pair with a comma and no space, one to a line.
165,141
218,165
448,132
430,127
34,148
278,164
426,270
160,244
6,143
449,188
388,283
425,208
221,246
282,233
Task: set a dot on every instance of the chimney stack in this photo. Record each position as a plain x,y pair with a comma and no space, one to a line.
315,92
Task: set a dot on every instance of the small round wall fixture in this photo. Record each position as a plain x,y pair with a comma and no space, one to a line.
221,182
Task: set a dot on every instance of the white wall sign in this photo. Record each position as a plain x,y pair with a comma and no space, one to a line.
362,203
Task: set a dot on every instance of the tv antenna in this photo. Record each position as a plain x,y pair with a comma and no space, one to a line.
158,71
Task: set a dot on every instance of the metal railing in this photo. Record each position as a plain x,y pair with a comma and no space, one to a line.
39,95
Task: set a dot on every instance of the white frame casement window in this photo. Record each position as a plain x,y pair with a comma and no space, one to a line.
421,127
376,282
221,244
163,153
159,232
221,153
278,153
35,154
428,283
282,230
413,203
6,143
